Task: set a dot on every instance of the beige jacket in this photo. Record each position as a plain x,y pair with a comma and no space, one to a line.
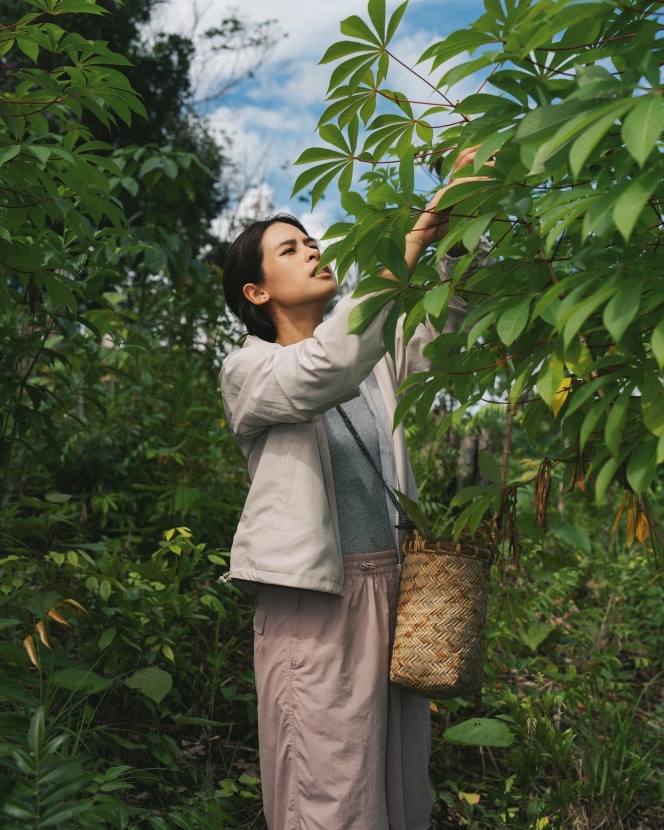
273,397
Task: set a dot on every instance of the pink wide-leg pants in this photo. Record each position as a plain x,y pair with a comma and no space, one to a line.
341,747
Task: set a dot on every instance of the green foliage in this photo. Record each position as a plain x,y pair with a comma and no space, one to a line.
567,308
574,667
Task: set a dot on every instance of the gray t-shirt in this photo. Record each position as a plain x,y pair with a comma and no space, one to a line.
364,523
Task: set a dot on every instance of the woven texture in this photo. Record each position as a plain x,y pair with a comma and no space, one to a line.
441,620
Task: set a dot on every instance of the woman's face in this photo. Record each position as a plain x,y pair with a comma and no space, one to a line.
290,262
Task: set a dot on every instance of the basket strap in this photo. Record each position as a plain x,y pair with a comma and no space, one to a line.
405,522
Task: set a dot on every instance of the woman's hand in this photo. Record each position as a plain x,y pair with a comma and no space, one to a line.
432,226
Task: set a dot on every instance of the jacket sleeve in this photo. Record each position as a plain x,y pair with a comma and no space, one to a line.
409,358
263,386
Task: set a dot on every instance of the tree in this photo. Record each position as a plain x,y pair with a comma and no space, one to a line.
565,320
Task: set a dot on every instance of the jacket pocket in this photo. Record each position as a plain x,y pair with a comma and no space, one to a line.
259,620
286,482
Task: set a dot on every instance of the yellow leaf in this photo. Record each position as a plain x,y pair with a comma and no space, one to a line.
433,706
541,823
184,531
54,615
471,798
168,534
29,646
168,652
40,628
561,395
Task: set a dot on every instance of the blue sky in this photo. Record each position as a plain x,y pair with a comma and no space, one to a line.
272,117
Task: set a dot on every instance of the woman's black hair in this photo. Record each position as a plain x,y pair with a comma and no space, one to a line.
244,264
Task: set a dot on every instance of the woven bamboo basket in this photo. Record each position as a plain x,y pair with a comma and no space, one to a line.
441,619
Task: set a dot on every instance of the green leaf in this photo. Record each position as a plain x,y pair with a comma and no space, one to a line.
513,321
572,534
59,293
570,127
42,153
549,379
605,477
377,14
407,175
152,682
652,404
341,49
578,358
107,638
395,19
489,466
615,421
475,229
354,26
322,184
584,144
538,125
573,318
311,174
37,731
621,310
333,135
657,343
29,47
630,203
105,590
535,634
436,300
590,422
462,40
642,466
643,127
480,732
364,313
8,153
81,680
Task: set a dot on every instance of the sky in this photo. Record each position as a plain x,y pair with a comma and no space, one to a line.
271,117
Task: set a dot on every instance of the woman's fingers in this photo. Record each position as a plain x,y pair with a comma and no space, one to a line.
467,157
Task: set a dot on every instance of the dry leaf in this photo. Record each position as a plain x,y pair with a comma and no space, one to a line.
642,526
41,630
631,521
54,615
620,512
433,706
74,603
29,646
542,490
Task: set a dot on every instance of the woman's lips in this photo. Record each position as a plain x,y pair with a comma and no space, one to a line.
324,273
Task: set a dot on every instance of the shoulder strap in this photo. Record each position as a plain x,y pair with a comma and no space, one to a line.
405,522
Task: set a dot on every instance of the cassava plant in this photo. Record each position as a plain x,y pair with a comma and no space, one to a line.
565,321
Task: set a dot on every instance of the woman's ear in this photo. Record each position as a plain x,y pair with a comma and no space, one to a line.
256,294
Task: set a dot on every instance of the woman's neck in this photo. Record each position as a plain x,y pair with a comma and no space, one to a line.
297,324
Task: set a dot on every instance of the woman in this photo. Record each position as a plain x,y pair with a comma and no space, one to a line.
341,748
